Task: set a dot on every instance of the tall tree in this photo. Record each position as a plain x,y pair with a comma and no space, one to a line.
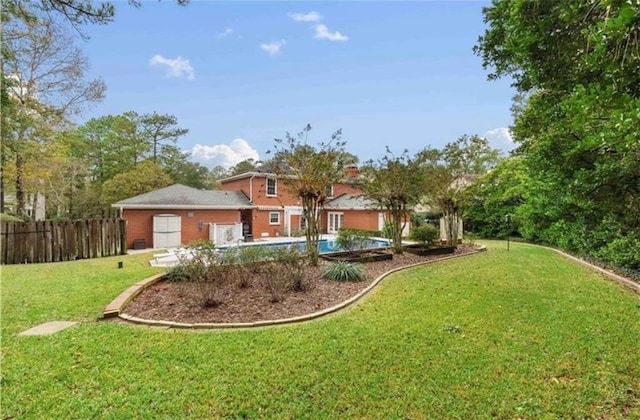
48,85
77,12
158,128
577,63
307,172
176,163
241,167
395,185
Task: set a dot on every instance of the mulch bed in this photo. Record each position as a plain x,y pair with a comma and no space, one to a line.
181,302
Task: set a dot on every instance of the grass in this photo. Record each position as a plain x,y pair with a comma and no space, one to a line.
518,334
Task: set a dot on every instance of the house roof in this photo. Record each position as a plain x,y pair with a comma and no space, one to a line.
178,196
350,202
266,170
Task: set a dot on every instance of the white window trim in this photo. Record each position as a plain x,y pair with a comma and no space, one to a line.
271,213
275,187
339,215
330,189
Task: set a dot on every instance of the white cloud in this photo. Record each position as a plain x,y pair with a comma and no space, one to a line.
176,67
273,48
225,33
305,17
500,138
226,155
322,32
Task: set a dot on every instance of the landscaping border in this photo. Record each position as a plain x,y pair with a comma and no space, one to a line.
114,309
608,273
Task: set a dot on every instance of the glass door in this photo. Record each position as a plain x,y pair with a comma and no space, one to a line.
336,221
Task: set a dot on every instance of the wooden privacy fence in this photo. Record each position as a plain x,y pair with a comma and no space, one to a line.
65,240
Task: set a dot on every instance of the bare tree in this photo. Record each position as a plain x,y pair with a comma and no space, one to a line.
45,74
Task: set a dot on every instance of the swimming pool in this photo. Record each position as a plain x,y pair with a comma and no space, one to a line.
325,246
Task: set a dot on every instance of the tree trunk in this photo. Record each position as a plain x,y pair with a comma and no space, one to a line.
312,232
396,229
2,186
20,199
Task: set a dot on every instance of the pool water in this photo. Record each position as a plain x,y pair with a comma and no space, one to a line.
325,246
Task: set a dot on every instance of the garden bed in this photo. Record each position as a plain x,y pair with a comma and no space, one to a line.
178,302
424,250
362,256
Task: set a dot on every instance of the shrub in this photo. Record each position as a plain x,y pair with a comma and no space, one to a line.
293,264
343,271
425,233
283,270
201,244
624,251
352,239
185,271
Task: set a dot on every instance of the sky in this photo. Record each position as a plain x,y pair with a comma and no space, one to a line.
240,74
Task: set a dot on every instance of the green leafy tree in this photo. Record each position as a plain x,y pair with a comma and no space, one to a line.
113,144
144,177
177,165
449,171
307,172
395,185
576,63
500,192
246,165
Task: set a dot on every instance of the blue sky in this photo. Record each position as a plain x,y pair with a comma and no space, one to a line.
239,74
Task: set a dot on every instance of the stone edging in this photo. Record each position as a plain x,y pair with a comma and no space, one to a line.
114,309
613,276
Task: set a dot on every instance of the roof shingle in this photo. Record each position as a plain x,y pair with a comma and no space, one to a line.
183,196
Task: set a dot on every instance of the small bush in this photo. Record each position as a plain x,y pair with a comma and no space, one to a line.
343,271
185,271
283,270
353,239
425,234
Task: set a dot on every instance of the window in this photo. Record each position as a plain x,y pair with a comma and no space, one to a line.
274,218
272,186
329,191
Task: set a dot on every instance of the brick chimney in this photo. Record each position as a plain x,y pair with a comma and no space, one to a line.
351,171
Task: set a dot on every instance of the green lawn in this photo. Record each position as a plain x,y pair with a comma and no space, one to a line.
502,334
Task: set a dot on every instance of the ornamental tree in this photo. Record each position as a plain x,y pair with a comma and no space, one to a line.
307,172
395,185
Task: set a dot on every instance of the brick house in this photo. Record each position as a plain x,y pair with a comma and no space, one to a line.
278,213
256,202
178,214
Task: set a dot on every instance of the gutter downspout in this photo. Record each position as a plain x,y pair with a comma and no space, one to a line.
251,187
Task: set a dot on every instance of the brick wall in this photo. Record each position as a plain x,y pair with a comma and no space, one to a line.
353,219
140,223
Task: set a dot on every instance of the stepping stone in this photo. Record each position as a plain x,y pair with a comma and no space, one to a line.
48,328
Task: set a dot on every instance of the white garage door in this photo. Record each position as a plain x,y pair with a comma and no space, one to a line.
167,231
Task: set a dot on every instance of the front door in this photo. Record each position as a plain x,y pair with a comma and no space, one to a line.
336,220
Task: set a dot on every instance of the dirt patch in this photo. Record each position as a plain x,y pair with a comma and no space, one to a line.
179,302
